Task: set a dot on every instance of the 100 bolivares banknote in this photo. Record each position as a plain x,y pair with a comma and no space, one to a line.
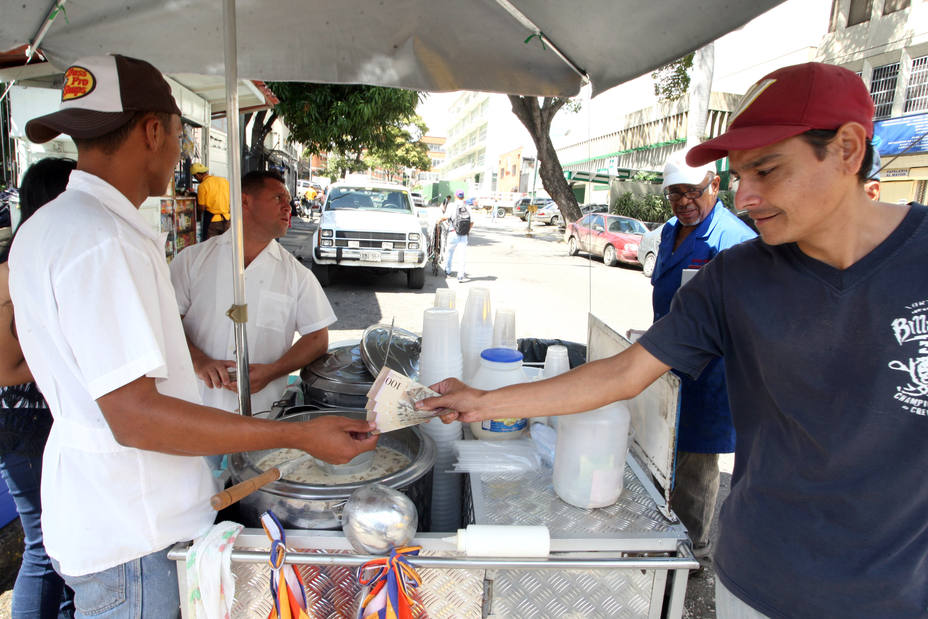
391,402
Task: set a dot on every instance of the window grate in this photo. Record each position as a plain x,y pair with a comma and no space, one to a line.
916,93
883,89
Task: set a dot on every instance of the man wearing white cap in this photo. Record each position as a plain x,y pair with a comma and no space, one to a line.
700,229
823,325
123,478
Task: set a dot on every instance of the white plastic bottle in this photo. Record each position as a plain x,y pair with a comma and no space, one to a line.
499,367
494,540
589,462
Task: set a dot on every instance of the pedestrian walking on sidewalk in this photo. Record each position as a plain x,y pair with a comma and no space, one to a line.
461,219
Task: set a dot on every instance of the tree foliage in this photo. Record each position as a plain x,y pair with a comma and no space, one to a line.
537,120
673,80
349,120
649,207
406,150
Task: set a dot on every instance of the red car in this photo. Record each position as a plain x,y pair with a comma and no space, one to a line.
613,237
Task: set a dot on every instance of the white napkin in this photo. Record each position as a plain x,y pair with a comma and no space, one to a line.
210,583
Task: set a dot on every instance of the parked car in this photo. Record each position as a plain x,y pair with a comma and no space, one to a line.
614,237
520,208
417,199
548,214
586,209
647,250
369,225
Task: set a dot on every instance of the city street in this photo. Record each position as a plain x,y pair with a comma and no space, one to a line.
550,291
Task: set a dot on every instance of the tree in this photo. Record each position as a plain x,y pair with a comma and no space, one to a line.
256,155
346,119
537,120
405,150
672,81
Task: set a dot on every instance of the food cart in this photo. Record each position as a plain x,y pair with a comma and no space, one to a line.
609,562
630,559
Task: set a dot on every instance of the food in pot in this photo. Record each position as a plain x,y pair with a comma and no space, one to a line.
385,462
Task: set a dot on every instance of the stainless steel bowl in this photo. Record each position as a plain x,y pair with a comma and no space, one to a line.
310,506
377,518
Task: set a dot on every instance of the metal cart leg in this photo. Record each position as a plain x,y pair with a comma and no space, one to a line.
677,593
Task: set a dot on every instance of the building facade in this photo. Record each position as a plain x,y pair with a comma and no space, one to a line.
886,43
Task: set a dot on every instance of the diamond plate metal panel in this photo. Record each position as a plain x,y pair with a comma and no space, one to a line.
592,594
529,499
334,593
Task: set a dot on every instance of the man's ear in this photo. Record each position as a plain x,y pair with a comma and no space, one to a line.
153,131
851,144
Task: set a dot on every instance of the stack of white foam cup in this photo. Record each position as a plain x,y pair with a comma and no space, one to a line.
476,329
441,358
504,329
556,362
445,298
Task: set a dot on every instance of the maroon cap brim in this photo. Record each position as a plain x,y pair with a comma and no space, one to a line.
741,138
76,123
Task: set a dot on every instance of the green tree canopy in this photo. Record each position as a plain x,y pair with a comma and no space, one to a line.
349,119
673,80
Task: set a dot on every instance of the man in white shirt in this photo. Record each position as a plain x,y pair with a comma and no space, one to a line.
283,298
123,475
461,219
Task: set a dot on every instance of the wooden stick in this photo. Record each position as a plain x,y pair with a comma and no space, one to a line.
240,490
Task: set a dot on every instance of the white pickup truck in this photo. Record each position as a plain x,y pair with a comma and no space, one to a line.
371,225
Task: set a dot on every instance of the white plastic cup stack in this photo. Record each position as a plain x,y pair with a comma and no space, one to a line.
476,329
445,298
446,486
556,362
504,329
440,356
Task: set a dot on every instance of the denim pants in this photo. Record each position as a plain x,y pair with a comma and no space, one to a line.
144,588
454,241
39,591
694,494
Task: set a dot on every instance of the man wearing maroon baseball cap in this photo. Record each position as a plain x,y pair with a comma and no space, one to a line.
124,477
823,325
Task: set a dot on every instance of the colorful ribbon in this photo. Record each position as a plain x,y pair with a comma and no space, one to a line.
288,592
391,586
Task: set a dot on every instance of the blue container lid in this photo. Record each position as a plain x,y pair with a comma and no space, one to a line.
501,355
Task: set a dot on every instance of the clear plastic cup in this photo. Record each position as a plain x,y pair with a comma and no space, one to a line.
476,329
445,298
504,329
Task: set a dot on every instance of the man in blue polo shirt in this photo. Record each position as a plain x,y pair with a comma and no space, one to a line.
700,229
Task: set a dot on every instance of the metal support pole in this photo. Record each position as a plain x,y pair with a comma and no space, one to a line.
239,310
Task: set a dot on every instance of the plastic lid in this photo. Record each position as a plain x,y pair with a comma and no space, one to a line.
501,355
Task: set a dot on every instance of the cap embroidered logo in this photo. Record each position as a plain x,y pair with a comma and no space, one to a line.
749,97
78,82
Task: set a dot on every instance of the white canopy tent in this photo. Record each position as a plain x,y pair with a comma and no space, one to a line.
527,47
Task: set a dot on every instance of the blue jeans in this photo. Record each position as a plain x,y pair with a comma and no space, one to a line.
144,588
39,590
454,241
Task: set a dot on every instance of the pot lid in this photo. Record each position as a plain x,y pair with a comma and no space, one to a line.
342,365
404,350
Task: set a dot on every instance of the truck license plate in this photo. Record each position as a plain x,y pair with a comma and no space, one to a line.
370,256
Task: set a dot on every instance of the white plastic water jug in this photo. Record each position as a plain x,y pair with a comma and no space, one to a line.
589,462
499,367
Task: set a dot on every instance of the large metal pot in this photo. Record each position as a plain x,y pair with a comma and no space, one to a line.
308,506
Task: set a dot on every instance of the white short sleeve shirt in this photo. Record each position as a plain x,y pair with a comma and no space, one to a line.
283,298
95,310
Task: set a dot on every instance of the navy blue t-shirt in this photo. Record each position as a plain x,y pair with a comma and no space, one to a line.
827,374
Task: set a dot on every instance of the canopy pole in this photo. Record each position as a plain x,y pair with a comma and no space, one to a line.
238,313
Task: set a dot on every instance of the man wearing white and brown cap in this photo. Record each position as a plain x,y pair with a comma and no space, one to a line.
823,324
700,228
123,474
